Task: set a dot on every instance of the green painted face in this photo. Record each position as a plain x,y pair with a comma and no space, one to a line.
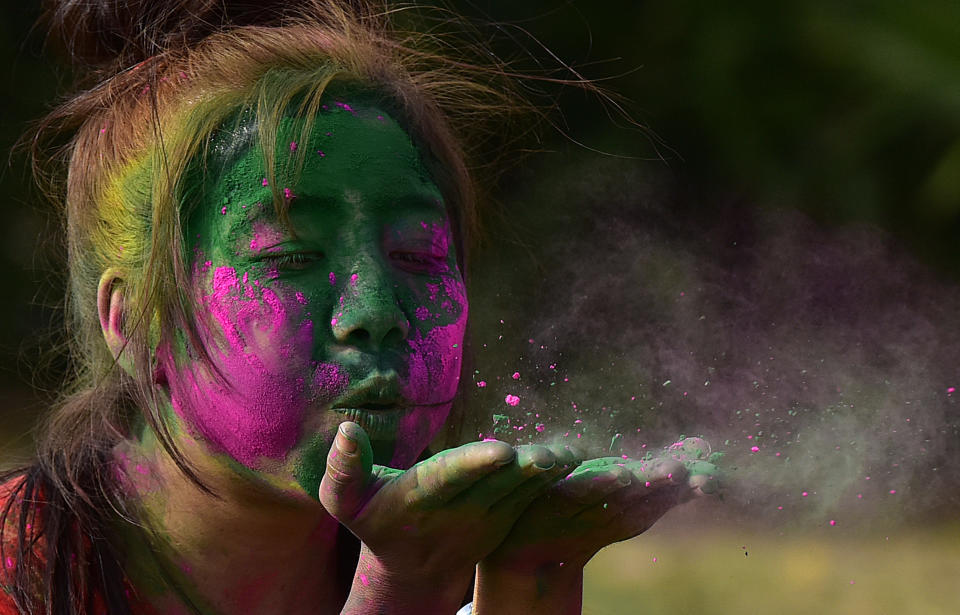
357,314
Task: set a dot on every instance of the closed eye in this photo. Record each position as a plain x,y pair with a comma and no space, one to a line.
293,261
419,262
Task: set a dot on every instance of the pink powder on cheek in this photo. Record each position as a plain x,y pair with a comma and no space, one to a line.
435,358
262,346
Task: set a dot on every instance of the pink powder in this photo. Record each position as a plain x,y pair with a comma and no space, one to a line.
265,183
754,448
434,361
511,400
265,236
516,376
223,210
333,278
293,146
256,410
482,384
422,313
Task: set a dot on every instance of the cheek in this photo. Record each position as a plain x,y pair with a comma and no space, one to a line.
436,342
251,406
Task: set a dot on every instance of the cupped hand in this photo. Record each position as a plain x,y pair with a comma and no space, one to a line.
424,529
603,501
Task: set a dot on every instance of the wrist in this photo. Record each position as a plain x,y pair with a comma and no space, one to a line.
400,588
547,587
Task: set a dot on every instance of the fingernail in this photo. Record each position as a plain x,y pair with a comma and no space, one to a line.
345,443
552,463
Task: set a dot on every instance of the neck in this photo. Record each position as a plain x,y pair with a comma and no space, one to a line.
242,551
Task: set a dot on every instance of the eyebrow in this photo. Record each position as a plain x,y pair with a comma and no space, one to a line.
263,209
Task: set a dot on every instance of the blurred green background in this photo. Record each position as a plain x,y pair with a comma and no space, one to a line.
847,111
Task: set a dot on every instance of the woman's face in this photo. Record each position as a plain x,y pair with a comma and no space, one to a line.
358,314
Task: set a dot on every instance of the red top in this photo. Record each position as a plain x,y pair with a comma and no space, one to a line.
10,550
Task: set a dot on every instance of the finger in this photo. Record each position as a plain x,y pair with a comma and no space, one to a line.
348,472
587,486
437,480
661,470
523,495
704,477
531,461
566,455
690,449
567,460
627,513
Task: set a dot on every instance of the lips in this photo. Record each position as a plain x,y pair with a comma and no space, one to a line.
375,404
378,392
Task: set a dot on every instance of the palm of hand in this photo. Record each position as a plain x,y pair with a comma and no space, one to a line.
442,515
604,501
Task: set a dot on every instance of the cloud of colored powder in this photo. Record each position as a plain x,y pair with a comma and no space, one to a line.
820,360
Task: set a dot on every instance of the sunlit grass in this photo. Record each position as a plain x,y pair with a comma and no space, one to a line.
724,571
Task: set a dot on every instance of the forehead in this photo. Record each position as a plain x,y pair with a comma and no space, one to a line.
351,156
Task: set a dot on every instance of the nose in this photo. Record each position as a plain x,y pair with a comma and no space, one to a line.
367,315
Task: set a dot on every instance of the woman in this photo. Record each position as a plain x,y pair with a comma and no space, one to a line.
267,232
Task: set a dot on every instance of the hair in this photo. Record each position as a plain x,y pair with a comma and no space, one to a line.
161,79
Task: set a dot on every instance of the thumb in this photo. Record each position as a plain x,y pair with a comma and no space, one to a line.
348,473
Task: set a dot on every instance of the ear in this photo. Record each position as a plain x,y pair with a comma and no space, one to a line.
110,309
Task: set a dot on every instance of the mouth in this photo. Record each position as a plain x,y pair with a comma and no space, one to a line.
375,404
